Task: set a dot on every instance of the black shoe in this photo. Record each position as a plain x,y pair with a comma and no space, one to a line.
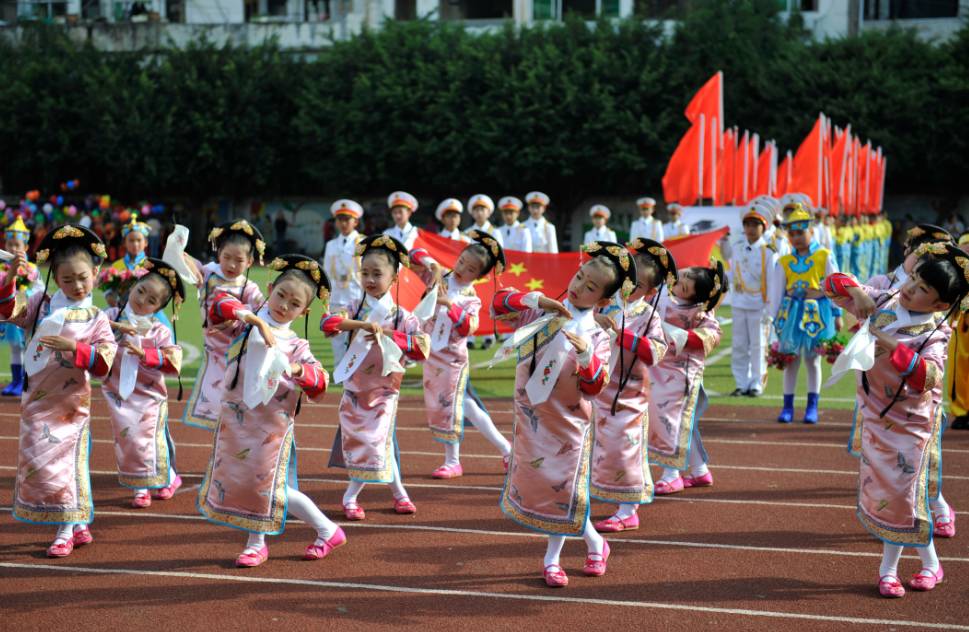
737,392
470,344
487,343
752,393
960,423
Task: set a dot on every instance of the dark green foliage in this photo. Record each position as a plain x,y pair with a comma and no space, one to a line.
435,109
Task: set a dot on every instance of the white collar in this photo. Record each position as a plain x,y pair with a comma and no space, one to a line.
905,318
406,229
454,288
142,323
386,300
266,316
510,226
537,221
60,301
583,320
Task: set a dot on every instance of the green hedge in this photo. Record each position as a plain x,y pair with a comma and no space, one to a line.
433,108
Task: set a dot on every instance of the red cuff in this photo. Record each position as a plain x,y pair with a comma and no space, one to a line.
509,301
405,342
592,379
87,358
639,345
330,324
7,302
461,320
312,381
224,307
693,341
420,256
154,359
837,284
910,366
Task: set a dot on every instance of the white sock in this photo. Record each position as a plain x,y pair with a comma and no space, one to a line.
626,511
813,364
891,553
930,559
593,540
16,354
306,510
790,376
485,425
699,470
670,475
397,486
554,550
452,454
940,509
698,466
353,490
64,532
171,473
141,490
255,543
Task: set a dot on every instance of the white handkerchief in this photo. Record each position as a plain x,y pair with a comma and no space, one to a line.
360,345
425,309
391,355
677,335
858,355
510,346
441,334
36,355
174,249
264,366
549,366
129,370
6,256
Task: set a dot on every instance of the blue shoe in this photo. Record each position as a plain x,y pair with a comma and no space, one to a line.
16,386
787,413
811,412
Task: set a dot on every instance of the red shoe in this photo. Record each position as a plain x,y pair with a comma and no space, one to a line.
926,582
662,488
945,529
615,525
165,493
319,551
555,578
404,506
61,549
597,568
505,460
353,511
448,471
891,587
82,536
698,481
251,559
141,500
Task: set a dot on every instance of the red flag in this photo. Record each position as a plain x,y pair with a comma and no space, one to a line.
864,167
839,163
708,101
786,175
712,147
765,169
694,249
725,169
683,179
741,169
809,164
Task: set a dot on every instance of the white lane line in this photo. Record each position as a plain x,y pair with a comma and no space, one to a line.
387,588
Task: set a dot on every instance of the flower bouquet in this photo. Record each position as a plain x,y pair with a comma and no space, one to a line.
119,281
25,276
777,359
833,348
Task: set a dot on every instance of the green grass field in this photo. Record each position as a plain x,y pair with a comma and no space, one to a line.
499,381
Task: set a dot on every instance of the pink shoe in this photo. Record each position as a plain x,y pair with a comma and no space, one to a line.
615,525
597,568
448,471
61,549
505,460
251,559
141,500
891,587
319,551
945,529
698,481
165,493
353,511
662,488
555,577
404,506
926,582
82,536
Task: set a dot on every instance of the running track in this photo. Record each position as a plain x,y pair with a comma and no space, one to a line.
775,544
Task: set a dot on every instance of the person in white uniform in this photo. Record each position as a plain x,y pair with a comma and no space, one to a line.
514,235
647,226
448,212
600,215
402,205
544,238
342,266
481,207
676,227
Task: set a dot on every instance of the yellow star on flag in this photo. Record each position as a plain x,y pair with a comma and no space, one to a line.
534,284
517,269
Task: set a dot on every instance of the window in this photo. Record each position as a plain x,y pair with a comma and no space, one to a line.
660,9
588,9
476,9
405,9
910,9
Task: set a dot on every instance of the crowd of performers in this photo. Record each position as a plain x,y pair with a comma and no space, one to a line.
608,378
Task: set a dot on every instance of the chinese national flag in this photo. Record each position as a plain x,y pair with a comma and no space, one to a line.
529,271
682,181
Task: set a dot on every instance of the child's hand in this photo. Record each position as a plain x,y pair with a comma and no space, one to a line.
190,262
263,327
551,305
605,322
372,330
59,343
125,328
18,263
864,305
577,342
296,370
839,323
883,339
133,348
389,332
443,300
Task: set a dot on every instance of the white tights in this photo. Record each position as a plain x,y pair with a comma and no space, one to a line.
891,553
813,363
66,531
698,467
355,487
171,478
299,505
483,422
593,541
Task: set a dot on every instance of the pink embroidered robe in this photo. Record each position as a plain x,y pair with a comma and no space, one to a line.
143,445
203,406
